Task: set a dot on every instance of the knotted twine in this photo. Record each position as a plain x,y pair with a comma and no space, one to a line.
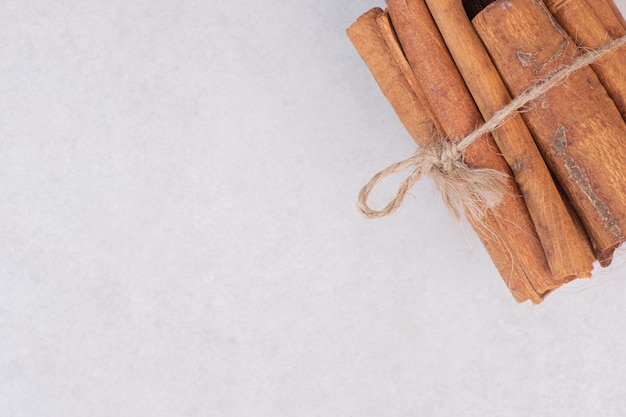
464,189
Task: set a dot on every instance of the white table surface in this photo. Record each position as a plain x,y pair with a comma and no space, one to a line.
179,236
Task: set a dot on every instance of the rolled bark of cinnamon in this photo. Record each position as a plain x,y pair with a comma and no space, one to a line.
566,245
608,13
369,41
576,125
454,109
373,37
574,14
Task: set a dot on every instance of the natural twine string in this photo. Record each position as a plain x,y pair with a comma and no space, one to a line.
464,189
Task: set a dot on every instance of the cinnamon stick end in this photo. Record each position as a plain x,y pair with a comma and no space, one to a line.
369,15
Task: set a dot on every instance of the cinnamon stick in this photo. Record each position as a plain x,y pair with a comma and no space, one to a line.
453,107
573,15
365,34
567,247
374,39
608,13
576,125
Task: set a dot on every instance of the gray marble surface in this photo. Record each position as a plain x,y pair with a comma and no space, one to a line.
179,234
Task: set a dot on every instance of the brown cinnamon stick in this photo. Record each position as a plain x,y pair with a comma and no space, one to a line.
608,13
366,36
580,21
567,247
453,107
576,125
375,40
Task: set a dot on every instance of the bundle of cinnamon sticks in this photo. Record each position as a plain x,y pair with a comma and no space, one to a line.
449,65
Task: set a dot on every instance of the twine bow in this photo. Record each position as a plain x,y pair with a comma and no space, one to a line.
464,189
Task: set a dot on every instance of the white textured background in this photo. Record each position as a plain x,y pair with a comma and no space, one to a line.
178,234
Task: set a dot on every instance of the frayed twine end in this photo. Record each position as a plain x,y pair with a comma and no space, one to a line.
464,190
